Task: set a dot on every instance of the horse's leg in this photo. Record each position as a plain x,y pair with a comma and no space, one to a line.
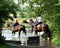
13,33
48,37
45,38
36,32
47,42
24,30
19,34
32,29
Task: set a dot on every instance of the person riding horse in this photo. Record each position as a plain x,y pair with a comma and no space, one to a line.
16,23
38,21
16,27
40,26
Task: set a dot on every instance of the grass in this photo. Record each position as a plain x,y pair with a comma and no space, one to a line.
5,46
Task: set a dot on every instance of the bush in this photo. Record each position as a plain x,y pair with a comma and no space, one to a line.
2,40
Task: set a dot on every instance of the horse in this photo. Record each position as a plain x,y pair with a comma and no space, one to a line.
41,27
17,28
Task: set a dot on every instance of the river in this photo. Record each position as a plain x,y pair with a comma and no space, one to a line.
8,34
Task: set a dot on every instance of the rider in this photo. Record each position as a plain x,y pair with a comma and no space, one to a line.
16,23
39,20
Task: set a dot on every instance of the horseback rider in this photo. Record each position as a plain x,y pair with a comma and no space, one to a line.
39,21
16,23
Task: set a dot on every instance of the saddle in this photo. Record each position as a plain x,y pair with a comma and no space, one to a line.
16,28
41,27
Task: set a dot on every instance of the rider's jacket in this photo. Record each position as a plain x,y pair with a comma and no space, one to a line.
39,19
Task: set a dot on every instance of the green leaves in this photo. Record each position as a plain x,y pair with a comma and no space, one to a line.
7,7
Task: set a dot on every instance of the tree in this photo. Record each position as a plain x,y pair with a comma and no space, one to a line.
6,7
50,11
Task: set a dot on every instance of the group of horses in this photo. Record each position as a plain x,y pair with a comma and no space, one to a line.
41,27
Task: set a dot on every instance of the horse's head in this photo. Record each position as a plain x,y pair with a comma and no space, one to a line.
24,21
9,24
31,20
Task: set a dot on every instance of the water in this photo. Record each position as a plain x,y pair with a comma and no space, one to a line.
23,38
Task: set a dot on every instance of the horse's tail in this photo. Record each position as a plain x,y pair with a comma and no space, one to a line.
23,28
48,31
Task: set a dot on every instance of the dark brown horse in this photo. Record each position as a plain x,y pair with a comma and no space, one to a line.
18,28
41,27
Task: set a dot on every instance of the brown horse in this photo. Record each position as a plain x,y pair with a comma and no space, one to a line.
41,27
17,28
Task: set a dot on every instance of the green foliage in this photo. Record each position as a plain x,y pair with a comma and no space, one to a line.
56,30
5,10
6,7
49,10
2,40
